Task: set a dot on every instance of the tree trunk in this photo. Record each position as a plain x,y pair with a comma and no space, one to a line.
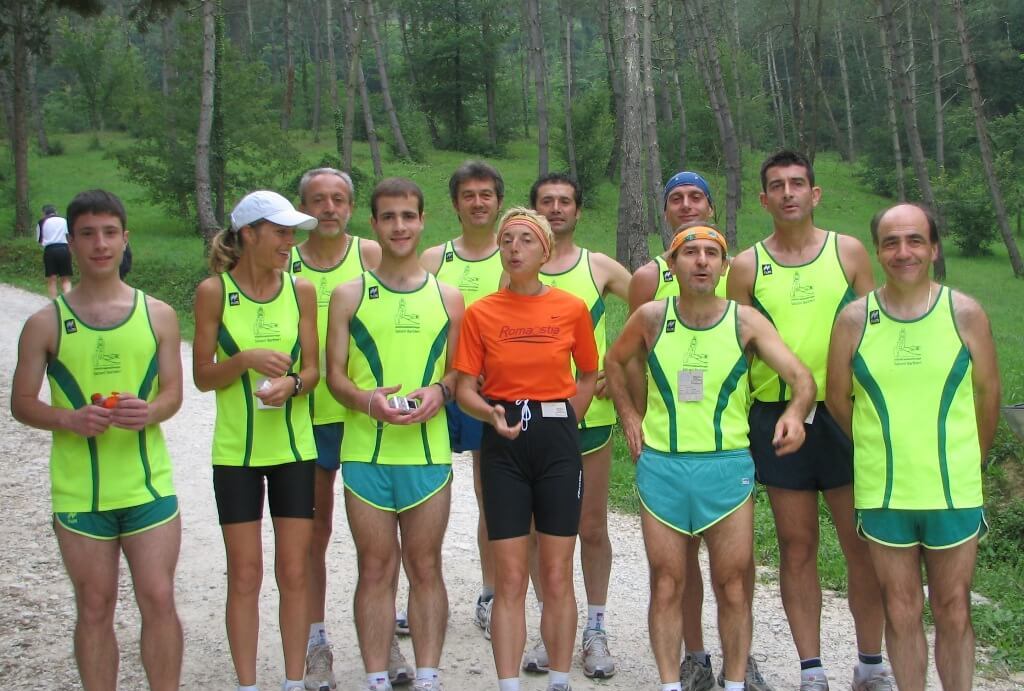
614,85
218,146
798,68
19,127
867,68
204,201
707,57
289,69
936,41
525,70
655,192
532,9
736,80
894,128
984,145
570,144
249,24
490,79
371,131
37,109
851,156
832,125
911,56
353,30
677,87
382,71
814,60
630,239
332,83
792,97
435,135
778,104
903,88
318,58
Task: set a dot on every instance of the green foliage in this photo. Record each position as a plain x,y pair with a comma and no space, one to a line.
161,158
593,129
967,207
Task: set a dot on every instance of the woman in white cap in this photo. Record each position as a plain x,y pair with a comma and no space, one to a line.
256,346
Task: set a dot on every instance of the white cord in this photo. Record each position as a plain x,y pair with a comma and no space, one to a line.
525,414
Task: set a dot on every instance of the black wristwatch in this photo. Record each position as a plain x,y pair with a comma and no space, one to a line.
298,383
445,391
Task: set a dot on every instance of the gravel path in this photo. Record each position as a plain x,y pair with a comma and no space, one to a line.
37,612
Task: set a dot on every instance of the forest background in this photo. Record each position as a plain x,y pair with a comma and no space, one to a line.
181,108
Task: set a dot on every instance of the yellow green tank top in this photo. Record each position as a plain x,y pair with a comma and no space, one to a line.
397,339
326,408
579,280
246,433
802,302
474,278
119,468
667,286
915,432
698,395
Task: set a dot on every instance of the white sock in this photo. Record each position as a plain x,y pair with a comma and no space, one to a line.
248,688
671,686
596,617
378,680
812,673
426,673
555,678
317,635
508,684
291,684
866,669
734,685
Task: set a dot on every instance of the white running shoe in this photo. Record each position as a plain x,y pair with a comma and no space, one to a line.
536,658
598,662
482,616
399,671
320,669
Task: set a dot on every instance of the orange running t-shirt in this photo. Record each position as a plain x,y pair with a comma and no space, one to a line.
522,344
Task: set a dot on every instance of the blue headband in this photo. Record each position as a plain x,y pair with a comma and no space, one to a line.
688,178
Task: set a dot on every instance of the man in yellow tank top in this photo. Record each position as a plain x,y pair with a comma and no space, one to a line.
913,378
590,276
128,503
471,263
396,460
800,276
694,471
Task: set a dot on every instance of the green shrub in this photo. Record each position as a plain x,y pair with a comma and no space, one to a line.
592,128
966,204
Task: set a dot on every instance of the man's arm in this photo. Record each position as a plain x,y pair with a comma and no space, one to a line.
758,335
643,286
369,252
625,355
612,277
38,343
431,397
740,279
976,331
431,258
856,264
846,335
134,413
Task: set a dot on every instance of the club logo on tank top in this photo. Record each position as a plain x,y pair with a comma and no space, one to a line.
800,293
666,276
449,256
874,317
670,326
70,326
296,266
906,353
104,362
263,330
468,282
693,359
323,293
233,299
406,321
766,269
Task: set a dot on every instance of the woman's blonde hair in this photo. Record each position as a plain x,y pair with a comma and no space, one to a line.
533,216
226,248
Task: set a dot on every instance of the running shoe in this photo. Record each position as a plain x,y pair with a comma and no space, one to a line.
536,658
399,671
402,623
815,683
695,675
320,669
879,681
598,663
482,617
427,685
754,680
559,687
378,687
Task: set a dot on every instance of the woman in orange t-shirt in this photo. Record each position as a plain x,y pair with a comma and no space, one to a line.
515,374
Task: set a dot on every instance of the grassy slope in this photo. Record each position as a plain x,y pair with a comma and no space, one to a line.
169,261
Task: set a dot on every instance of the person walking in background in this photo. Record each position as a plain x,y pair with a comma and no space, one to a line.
52,235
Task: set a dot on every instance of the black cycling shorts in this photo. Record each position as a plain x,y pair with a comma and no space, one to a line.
538,476
57,260
825,461
239,491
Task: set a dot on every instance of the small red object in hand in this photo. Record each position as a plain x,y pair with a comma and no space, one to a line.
111,400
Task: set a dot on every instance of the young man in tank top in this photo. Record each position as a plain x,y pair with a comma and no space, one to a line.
471,263
800,277
694,470
912,377
390,341
589,276
112,355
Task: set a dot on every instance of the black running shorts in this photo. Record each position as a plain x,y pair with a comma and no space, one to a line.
57,259
537,476
825,461
239,491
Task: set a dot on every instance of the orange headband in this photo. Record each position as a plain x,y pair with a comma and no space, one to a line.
524,221
698,233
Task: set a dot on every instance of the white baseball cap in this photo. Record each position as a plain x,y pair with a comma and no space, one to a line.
270,206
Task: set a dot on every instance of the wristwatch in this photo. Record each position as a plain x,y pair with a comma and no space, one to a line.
445,391
298,383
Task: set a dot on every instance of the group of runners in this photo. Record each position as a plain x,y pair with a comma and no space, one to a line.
781,365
